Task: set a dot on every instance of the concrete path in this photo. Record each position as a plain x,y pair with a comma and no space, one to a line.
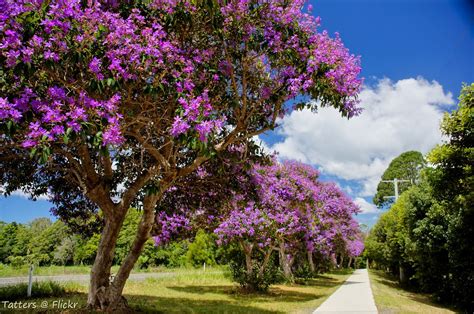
354,296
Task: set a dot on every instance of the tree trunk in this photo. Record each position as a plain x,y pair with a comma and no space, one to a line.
310,261
106,295
402,275
350,262
285,263
248,257
100,272
266,260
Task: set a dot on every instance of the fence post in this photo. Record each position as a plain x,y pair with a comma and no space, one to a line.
30,281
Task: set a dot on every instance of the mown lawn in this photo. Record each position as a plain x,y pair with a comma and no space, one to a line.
213,292
391,298
22,271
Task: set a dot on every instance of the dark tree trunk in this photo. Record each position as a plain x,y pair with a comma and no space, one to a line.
402,276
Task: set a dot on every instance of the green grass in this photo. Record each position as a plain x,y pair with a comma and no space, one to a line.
391,298
213,292
9,271
39,290
22,271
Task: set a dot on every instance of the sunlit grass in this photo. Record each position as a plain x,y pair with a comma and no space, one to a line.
391,298
22,271
212,291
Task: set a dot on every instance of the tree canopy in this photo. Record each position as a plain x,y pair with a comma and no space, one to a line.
106,104
429,230
406,166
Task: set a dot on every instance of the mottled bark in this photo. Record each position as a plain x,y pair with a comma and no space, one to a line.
247,248
285,262
310,261
100,272
104,294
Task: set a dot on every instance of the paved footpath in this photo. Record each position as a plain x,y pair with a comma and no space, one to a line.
354,296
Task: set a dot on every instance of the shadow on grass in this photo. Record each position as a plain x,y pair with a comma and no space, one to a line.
236,293
150,304
410,292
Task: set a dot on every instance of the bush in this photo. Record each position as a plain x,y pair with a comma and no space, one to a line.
39,290
253,281
201,250
303,271
17,261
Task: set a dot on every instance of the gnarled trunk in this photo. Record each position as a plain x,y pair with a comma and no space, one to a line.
100,272
103,293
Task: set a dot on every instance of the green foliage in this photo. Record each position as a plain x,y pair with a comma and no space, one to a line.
429,230
254,280
172,254
453,186
86,250
202,250
8,241
64,253
407,166
127,234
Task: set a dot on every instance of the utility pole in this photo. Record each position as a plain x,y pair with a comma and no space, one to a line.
395,185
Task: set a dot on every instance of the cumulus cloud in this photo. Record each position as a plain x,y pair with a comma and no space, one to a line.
398,116
20,193
366,207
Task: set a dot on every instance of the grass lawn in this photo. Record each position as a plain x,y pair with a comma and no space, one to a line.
213,292
22,271
391,298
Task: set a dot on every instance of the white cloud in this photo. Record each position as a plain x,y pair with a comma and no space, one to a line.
398,116
20,193
366,207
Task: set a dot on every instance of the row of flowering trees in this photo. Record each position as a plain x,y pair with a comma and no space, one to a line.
104,105
276,209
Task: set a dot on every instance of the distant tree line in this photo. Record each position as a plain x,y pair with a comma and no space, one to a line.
43,243
426,237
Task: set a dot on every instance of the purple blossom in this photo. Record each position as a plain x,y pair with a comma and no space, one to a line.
179,126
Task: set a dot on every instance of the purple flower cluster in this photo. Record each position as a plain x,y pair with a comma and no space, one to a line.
136,48
170,226
293,209
56,113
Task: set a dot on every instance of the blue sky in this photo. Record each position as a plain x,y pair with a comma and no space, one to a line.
405,46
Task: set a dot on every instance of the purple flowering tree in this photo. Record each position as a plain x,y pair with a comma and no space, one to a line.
115,101
292,213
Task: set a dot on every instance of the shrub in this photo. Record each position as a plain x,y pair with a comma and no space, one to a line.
254,281
201,250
